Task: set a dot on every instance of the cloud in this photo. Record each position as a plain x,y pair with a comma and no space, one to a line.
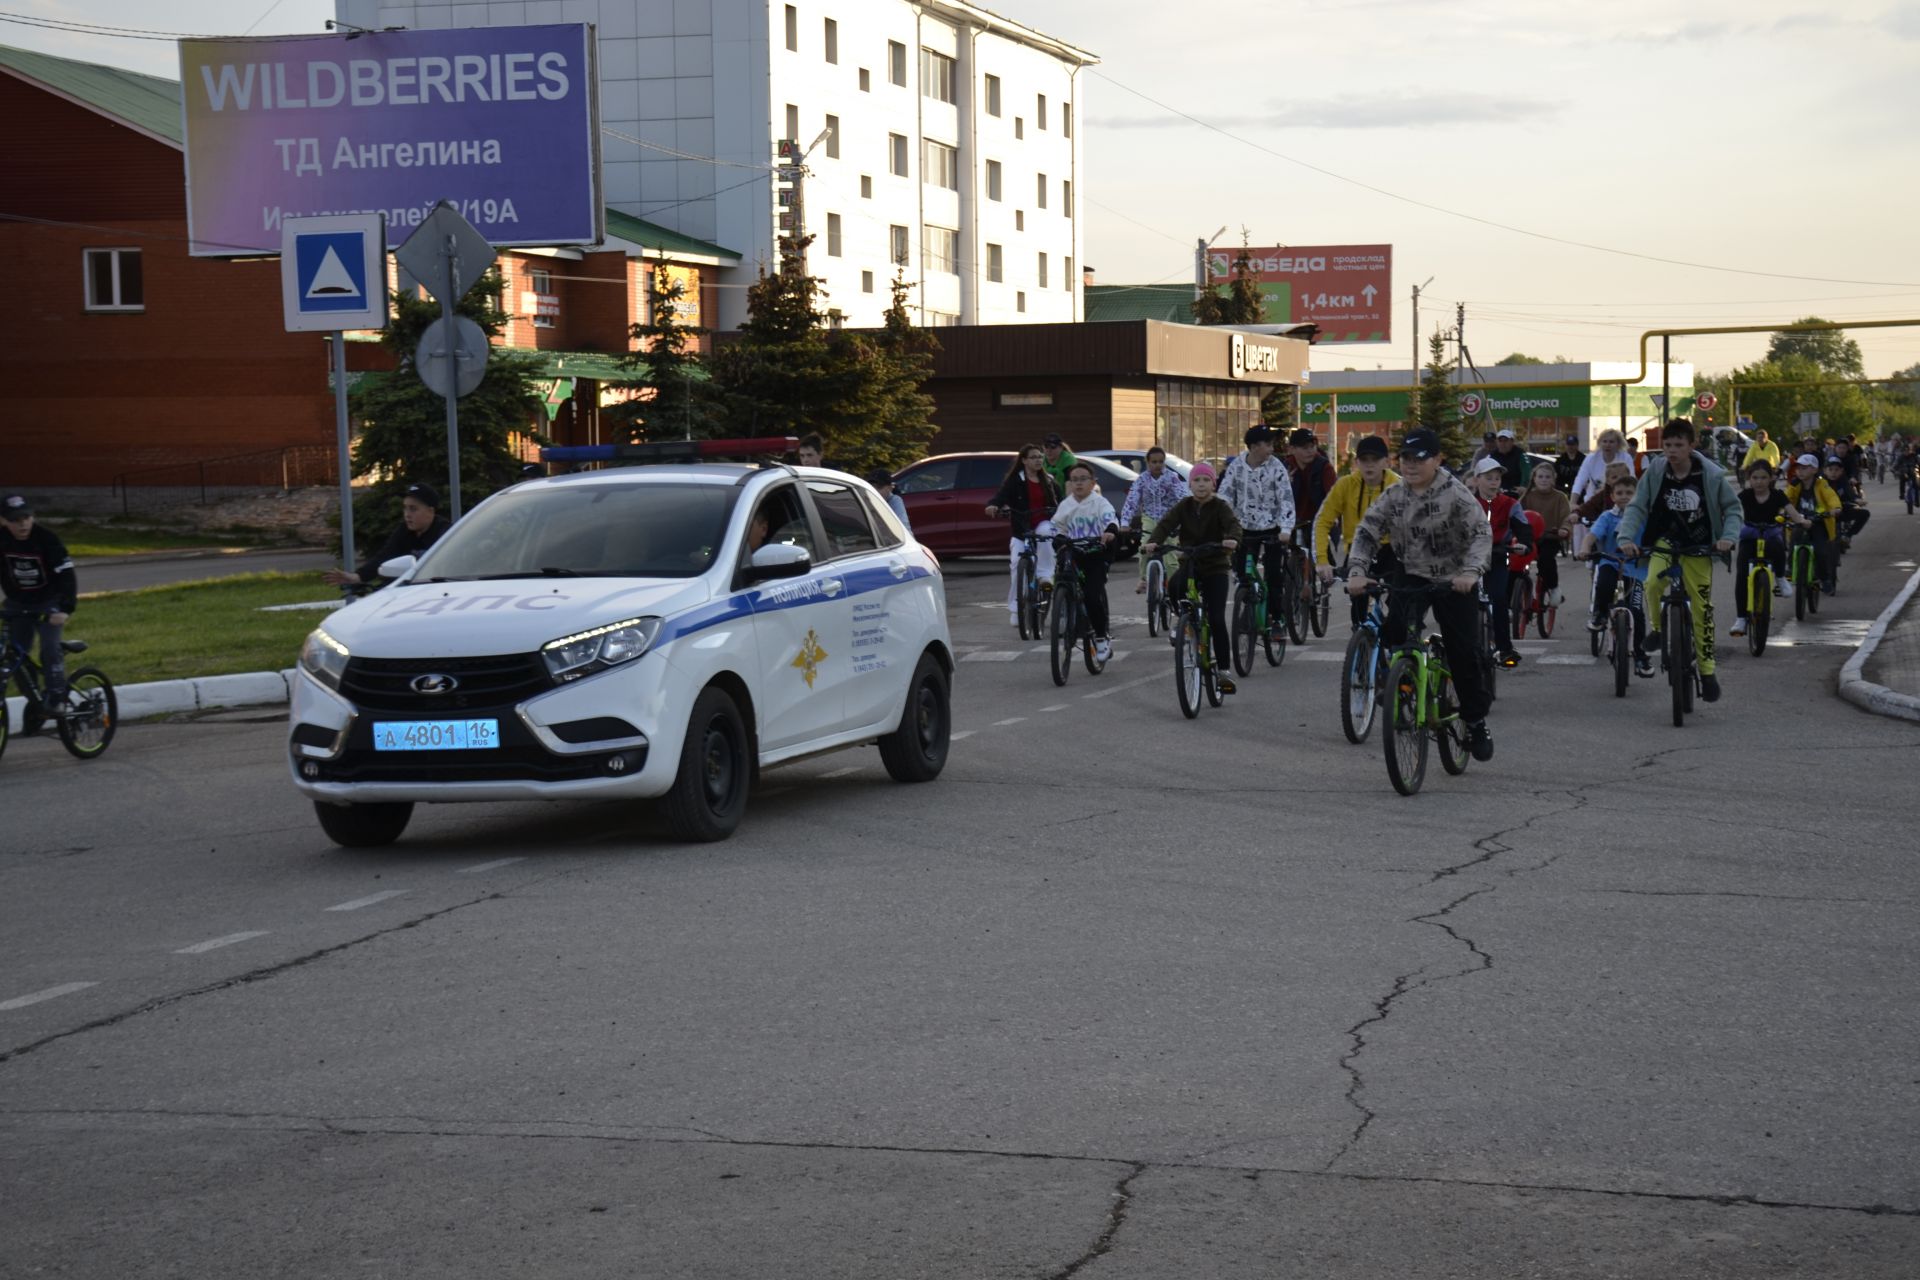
1721,32
1404,111
1903,21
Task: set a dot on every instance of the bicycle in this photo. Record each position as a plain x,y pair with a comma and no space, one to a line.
1296,592
1759,600
1071,624
1803,572
1421,704
1483,638
1193,671
1320,610
1616,638
1363,670
1679,657
1030,603
1159,608
1251,609
86,720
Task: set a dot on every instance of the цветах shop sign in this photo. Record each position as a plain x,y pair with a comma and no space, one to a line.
503,122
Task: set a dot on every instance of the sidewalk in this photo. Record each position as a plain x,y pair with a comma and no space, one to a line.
1884,675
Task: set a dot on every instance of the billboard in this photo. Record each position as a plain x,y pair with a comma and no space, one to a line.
501,122
1346,289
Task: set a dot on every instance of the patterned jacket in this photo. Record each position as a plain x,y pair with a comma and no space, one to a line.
1152,498
1262,497
1437,533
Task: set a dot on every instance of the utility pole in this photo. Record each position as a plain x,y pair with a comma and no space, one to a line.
1200,248
1460,344
1416,333
792,171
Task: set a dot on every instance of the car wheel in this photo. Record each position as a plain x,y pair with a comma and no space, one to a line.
709,793
917,750
363,826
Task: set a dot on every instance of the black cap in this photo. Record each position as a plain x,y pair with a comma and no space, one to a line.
15,507
1420,444
1836,462
1053,441
879,477
1259,433
1573,440
1370,447
1303,436
422,493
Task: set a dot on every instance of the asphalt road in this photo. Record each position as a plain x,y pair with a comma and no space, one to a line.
155,571
1120,995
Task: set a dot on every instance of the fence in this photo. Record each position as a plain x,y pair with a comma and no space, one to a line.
291,467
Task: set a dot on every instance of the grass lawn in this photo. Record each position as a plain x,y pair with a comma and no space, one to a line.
85,539
198,629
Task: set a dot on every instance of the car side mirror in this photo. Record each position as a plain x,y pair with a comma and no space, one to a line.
398,567
780,560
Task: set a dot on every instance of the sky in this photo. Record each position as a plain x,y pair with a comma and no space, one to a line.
1777,142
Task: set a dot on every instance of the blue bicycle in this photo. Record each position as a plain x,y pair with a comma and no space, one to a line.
1363,670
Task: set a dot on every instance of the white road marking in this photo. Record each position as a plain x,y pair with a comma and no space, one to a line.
214,944
51,993
993,655
960,736
1567,660
367,901
841,773
1315,655
1001,724
495,865
1120,688
1058,706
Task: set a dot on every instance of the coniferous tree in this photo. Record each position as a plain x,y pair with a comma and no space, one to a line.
783,376
1243,303
680,403
1437,408
889,418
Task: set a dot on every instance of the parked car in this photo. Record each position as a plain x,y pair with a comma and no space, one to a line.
1135,460
947,497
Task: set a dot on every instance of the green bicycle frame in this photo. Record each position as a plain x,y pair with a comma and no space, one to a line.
1426,686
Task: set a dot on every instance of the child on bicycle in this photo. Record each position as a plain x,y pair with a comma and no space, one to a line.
1441,537
1814,498
1203,517
1853,515
1027,497
1085,515
1512,532
1762,509
40,590
1614,575
1352,494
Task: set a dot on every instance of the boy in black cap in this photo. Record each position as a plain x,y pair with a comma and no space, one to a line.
41,591
420,527
1441,538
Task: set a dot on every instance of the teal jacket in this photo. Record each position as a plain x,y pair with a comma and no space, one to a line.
1723,503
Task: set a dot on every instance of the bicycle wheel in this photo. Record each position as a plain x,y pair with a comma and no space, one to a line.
1759,612
1483,642
1210,674
1449,730
6,727
1156,587
1089,651
1593,640
1025,592
1800,592
1547,615
1519,596
1360,685
1677,636
1240,631
92,713
1322,607
1622,651
1065,631
1293,608
1186,665
1813,595
1402,734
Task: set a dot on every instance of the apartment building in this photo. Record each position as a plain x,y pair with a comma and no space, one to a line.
949,141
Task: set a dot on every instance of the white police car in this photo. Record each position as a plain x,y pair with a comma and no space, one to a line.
658,631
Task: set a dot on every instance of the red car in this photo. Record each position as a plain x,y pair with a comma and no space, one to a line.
947,497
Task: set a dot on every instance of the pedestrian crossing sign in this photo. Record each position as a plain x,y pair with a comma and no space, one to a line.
333,272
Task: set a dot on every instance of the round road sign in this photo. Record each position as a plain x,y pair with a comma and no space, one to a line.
1706,400
1470,404
452,368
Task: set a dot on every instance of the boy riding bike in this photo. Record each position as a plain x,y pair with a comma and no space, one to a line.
1203,517
40,589
1149,498
1763,508
1614,575
1086,515
1352,495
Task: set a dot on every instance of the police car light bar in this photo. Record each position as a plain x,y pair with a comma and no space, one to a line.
670,450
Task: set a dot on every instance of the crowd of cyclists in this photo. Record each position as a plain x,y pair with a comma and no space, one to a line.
1446,536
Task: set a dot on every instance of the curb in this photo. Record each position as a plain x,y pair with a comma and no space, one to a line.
167,697
1863,693
211,551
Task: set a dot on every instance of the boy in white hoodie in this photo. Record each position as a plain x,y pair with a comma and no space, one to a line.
1086,514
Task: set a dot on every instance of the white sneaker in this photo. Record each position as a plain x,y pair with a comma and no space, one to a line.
1102,650
1779,588
1013,619
1555,598
1739,627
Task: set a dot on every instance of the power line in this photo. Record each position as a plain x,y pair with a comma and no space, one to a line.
98,29
1487,222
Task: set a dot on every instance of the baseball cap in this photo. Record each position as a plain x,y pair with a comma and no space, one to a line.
1505,433
1806,460
1833,461
422,493
1053,441
15,507
1420,444
1485,465
1370,447
1573,440
1303,436
1259,433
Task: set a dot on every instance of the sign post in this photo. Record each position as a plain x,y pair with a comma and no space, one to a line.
447,255
333,278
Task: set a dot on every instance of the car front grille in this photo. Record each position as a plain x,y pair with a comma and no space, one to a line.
386,684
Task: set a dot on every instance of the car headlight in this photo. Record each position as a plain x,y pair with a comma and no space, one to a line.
586,652
324,658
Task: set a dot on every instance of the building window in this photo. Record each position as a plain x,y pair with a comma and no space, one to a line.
793,29
1019,219
897,245
546,307
1040,110
1023,400
936,75
866,80
940,250
1019,127
1043,270
866,186
793,123
113,280
833,235
866,282
1020,301
1066,196
940,165
897,154
833,41
897,63
1066,118
993,179
833,137
1040,190
996,266
941,319
993,95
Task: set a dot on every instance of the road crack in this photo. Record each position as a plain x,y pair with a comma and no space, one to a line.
1116,1218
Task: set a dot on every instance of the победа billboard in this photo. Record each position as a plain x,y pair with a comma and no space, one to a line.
1346,289
501,122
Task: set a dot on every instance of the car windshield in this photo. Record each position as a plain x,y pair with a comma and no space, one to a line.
586,530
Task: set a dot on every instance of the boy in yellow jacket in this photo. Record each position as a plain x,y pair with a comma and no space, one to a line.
1346,502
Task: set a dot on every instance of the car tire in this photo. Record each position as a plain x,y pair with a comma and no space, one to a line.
363,826
709,793
916,751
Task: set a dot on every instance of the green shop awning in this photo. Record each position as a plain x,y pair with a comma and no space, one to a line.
596,365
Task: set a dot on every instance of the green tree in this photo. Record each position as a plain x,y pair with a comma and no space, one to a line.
1829,349
680,403
1843,409
782,376
1518,358
1277,408
1243,303
403,426
888,420
1437,408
